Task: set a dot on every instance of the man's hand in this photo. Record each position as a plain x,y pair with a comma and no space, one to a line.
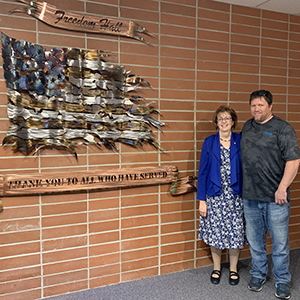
281,196
290,172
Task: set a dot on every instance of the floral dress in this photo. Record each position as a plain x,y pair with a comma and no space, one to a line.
223,227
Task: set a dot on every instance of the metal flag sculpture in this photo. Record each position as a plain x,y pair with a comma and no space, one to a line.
53,16
59,96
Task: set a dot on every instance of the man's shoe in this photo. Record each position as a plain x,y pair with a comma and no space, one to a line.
256,284
283,291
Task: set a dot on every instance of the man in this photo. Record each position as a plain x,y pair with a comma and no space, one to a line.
270,160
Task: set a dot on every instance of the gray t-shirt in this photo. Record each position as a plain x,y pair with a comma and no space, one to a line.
264,150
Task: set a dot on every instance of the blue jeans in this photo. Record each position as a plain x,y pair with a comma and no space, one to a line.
261,216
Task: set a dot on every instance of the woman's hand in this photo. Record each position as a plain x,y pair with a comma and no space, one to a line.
202,208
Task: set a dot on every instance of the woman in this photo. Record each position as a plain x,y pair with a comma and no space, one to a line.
219,194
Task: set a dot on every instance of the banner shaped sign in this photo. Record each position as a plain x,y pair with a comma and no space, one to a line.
97,179
82,22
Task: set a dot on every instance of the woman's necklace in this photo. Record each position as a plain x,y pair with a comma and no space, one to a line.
224,140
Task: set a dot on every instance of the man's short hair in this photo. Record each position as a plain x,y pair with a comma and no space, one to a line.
262,93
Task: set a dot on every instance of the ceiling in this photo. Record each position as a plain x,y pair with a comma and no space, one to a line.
284,6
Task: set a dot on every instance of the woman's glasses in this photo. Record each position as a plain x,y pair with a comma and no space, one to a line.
224,119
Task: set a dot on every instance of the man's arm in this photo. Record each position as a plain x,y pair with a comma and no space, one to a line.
290,172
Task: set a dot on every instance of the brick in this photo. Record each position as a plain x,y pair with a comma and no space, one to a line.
20,285
177,247
65,231
71,40
105,270
139,221
63,255
270,70
242,78
139,254
139,211
139,232
177,94
64,219
266,14
174,258
177,146
213,25
49,162
65,242
134,275
245,20
104,159
178,74
212,66
13,163
64,288
213,15
214,46
67,266
245,49
218,6
20,274
105,10
179,126
102,215
20,295
64,208
138,49
177,267
104,226
65,277
18,22
273,80
275,34
94,42
177,156
104,248
183,226
139,200
246,59
141,190
140,15
207,86
177,237
15,214
19,249
140,264
138,60
20,262
178,9
178,31
19,237
105,280
178,206
177,42
98,238
185,21
274,25
139,243
245,30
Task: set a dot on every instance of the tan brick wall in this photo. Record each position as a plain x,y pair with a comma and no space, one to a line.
206,54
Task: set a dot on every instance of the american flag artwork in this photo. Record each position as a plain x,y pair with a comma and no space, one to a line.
69,96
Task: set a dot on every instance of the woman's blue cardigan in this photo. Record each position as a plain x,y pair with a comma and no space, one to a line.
209,176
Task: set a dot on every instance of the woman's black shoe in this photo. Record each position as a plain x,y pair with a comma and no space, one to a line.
213,279
234,278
